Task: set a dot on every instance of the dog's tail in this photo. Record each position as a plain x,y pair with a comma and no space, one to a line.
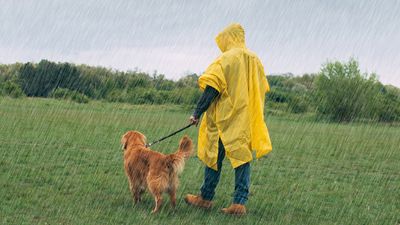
184,152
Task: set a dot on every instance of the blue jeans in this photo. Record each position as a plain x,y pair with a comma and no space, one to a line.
211,179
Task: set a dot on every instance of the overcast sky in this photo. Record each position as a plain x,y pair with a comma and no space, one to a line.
176,37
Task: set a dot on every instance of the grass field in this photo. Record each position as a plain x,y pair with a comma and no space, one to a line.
61,163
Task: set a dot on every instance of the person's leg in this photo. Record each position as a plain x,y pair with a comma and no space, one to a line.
242,184
211,177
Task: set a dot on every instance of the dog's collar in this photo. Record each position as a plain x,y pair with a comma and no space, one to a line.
143,145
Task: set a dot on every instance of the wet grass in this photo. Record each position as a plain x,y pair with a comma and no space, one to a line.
61,163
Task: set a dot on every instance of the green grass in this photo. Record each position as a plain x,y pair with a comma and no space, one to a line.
61,163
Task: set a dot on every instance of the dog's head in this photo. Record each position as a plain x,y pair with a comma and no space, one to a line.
133,138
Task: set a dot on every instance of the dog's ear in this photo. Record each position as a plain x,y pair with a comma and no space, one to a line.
139,138
124,140
144,139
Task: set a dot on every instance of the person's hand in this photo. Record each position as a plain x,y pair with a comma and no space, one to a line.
193,120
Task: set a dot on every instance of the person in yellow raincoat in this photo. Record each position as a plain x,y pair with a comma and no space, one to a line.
233,124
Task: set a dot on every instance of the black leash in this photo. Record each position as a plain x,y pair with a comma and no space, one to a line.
172,134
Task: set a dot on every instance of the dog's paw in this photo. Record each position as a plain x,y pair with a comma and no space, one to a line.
154,211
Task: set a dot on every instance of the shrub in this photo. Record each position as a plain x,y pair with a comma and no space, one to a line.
276,106
79,97
277,95
188,96
142,96
117,96
343,93
387,107
12,89
299,88
62,93
298,105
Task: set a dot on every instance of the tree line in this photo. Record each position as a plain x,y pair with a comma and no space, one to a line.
50,79
339,92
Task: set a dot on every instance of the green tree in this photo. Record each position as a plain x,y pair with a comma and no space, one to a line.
40,80
343,93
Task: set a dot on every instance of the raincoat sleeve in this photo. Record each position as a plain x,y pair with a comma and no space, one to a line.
206,99
214,77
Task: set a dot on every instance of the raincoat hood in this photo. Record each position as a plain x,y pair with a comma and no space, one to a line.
231,37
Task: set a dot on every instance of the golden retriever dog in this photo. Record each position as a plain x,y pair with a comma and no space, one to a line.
147,169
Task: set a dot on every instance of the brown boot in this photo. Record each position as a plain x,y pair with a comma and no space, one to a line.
198,201
235,209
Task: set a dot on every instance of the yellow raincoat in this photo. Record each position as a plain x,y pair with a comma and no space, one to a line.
236,116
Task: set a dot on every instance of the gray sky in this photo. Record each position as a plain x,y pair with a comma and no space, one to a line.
174,37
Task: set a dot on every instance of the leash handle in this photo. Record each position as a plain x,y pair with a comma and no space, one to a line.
172,134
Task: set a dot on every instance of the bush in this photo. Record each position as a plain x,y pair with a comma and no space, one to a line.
79,97
276,106
298,105
117,96
62,93
142,96
182,96
12,89
387,107
187,96
343,93
388,113
277,95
